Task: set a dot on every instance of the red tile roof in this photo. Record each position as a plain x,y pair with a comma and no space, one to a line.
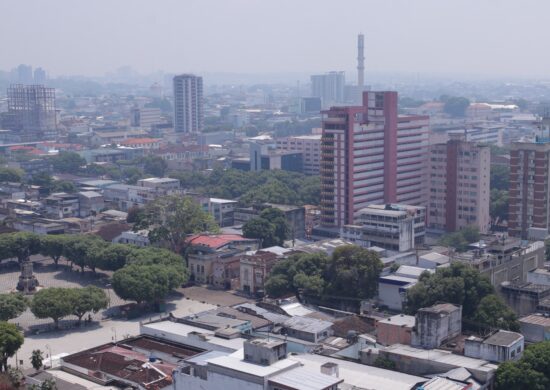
216,241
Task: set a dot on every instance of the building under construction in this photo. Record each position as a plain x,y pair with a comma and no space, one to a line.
31,112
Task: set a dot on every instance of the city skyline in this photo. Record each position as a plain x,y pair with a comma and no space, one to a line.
459,37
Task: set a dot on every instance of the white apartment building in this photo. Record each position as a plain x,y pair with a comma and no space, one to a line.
188,104
393,226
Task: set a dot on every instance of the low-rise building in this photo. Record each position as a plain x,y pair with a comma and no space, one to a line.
309,329
142,362
139,238
222,210
504,259
436,325
215,259
90,203
524,298
395,330
143,143
254,270
425,362
262,365
393,226
499,347
62,205
535,327
161,185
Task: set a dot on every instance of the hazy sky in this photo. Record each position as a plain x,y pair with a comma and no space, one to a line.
91,37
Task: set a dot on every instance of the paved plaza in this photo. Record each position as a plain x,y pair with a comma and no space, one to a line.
106,325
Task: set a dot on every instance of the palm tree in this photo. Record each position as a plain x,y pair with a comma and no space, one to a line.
37,359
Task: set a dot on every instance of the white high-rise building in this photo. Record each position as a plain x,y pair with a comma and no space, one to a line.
188,104
329,87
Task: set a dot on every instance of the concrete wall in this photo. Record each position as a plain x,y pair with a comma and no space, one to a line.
493,353
534,333
388,295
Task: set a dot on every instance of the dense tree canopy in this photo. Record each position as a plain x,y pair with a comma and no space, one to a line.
352,271
154,165
255,187
270,227
465,286
11,340
147,282
10,175
52,303
500,177
86,299
455,106
67,162
459,240
532,371
12,306
499,205
20,245
170,219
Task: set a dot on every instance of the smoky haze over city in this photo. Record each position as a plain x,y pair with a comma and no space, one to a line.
488,38
274,195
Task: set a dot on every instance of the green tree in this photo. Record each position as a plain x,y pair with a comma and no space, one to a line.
456,106
21,245
11,175
114,256
278,219
354,271
84,251
146,283
384,363
277,286
63,186
514,376
37,359
53,246
263,230
154,165
461,239
532,371
171,219
500,177
457,284
12,306
52,303
42,179
493,313
67,162
11,340
87,299
470,233
498,207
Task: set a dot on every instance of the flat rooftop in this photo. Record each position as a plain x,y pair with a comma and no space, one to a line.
503,338
175,331
237,363
307,324
441,356
302,378
400,320
360,375
536,319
